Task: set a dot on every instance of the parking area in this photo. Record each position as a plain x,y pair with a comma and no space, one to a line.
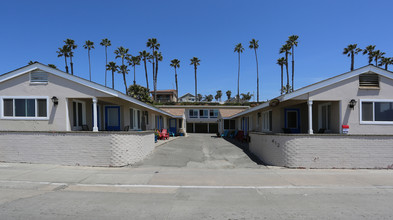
200,151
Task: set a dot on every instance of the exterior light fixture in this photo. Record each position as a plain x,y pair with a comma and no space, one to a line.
55,100
352,103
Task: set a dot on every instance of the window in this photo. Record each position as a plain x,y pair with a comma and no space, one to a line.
229,124
369,80
203,113
213,113
38,77
324,115
180,123
193,113
376,112
135,119
25,108
267,121
78,109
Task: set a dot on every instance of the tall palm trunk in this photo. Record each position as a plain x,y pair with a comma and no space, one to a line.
113,79
134,75
238,81
88,53
72,66
147,78
386,66
155,78
66,66
177,89
376,61
293,67
282,78
106,63
196,90
154,82
256,58
286,65
352,60
125,82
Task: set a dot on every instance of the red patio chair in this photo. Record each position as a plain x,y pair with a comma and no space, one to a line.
240,136
164,134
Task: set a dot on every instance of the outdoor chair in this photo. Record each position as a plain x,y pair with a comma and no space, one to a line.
171,134
240,136
321,131
164,134
233,134
225,134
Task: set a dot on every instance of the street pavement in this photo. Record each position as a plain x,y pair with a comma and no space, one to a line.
198,187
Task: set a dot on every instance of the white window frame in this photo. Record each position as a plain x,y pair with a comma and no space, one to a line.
38,83
373,122
208,113
266,121
213,111
83,114
24,118
320,114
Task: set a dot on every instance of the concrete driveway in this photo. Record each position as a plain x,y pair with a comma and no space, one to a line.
200,151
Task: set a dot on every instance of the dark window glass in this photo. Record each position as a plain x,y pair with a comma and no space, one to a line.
30,107
180,123
8,107
139,119
132,118
367,111
232,124
20,107
80,121
270,121
41,105
74,112
292,119
226,124
383,111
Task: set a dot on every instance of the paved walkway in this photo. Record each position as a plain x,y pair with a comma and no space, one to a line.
200,151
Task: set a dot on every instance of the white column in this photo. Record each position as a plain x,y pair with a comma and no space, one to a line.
310,131
95,118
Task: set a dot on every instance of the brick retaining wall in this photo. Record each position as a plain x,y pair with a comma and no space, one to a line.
76,148
324,151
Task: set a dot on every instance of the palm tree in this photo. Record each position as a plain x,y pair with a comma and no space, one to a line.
175,63
71,44
144,55
369,51
208,98
238,49
106,43
385,61
281,62
122,53
246,97
218,95
199,97
123,70
64,52
153,44
229,93
157,56
133,61
52,66
351,50
285,49
111,66
292,40
254,45
195,61
377,55
89,45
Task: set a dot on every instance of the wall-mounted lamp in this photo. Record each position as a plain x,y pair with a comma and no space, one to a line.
55,100
352,103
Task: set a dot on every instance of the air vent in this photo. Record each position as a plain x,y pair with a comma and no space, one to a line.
38,77
369,80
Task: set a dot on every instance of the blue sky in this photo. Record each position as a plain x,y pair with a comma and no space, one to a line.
209,30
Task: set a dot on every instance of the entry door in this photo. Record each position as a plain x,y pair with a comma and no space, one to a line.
172,125
112,118
292,120
245,125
